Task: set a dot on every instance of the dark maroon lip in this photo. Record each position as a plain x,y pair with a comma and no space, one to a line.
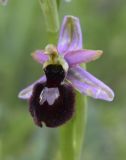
62,109
56,114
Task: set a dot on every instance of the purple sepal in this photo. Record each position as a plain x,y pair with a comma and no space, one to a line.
87,84
27,92
70,35
81,56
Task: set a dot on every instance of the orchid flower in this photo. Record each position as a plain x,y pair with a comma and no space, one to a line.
51,98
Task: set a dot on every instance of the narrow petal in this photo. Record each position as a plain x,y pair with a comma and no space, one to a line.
87,84
27,92
40,56
82,56
70,35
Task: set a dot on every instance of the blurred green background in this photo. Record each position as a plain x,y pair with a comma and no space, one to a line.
22,31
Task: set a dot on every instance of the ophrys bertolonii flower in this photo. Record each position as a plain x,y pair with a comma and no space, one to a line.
51,98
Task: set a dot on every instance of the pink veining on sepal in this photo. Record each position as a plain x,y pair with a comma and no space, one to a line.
87,84
70,35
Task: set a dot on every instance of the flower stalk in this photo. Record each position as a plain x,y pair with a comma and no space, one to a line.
50,12
72,134
58,3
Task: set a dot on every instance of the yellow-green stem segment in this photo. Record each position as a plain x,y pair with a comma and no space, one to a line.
50,12
72,134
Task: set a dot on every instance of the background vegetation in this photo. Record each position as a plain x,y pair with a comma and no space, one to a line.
22,31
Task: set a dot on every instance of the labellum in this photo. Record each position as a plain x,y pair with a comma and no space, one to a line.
52,102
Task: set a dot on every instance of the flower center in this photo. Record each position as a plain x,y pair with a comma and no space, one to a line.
55,58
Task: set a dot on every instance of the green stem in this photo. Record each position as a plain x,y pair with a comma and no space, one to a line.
50,12
72,134
58,3
52,37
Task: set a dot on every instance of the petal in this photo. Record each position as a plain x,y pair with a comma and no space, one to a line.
27,92
39,56
82,56
89,85
70,35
